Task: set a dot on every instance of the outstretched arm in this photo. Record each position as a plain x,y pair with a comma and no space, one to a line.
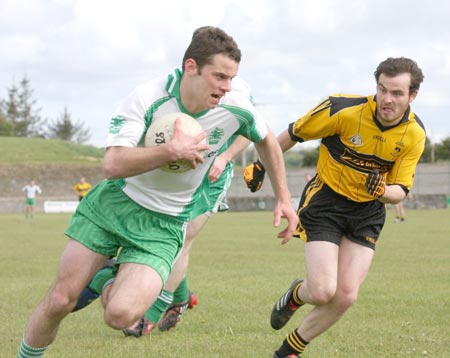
272,156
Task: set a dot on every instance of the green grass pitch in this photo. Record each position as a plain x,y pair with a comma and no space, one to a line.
238,270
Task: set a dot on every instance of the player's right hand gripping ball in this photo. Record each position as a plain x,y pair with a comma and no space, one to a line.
254,176
375,184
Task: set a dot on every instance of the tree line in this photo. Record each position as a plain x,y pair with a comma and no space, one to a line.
308,157
21,117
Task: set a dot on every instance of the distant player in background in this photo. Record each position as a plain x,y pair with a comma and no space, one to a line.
142,213
31,190
400,210
368,155
82,188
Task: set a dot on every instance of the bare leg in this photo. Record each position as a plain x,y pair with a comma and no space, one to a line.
78,265
399,211
333,298
133,291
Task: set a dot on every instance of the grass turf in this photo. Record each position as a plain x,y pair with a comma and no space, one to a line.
238,270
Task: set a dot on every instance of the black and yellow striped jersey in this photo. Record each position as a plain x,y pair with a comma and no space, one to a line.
354,143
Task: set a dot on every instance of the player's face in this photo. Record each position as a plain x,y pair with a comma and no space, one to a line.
393,98
210,84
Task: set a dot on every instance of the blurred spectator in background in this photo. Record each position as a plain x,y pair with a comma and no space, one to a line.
82,188
30,190
400,210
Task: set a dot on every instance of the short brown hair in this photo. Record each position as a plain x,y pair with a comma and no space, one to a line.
394,66
208,41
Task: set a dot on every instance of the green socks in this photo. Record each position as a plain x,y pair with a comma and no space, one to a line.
163,301
25,351
101,279
166,298
181,294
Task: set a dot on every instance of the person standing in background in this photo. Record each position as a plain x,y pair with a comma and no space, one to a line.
30,190
400,210
82,188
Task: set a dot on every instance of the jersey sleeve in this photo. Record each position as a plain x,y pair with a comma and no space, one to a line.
319,122
128,122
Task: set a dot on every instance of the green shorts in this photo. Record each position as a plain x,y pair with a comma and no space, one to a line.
213,193
107,220
30,202
219,189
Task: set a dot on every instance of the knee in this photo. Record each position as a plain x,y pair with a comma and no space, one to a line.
345,299
321,294
59,303
119,318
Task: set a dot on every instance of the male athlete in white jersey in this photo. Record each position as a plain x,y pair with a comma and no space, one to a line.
144,211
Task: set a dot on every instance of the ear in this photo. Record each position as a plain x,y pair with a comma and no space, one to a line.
190,66
413,96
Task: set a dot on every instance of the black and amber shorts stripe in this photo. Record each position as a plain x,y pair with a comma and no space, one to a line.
327,216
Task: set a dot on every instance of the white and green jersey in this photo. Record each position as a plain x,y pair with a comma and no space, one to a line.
178,193
31,191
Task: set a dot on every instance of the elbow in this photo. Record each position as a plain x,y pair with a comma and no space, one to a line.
108,173
110,170
111,164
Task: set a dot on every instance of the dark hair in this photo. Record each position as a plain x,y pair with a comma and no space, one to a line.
208,41
394,66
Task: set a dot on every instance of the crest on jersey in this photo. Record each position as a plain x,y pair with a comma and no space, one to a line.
356,139
116,124
216,135
398,147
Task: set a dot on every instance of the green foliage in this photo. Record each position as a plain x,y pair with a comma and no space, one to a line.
427,156
310,157
19,117
21,112
442,150
6,127
39,150
238,270
293,159
66,129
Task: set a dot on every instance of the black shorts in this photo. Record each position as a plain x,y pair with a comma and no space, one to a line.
327,216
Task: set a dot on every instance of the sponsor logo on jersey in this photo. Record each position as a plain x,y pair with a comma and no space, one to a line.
364,162
379,138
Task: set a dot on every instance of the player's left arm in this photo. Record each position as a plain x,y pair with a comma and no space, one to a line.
393,194
272,157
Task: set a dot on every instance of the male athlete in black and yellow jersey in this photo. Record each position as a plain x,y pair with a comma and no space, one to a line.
368,154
